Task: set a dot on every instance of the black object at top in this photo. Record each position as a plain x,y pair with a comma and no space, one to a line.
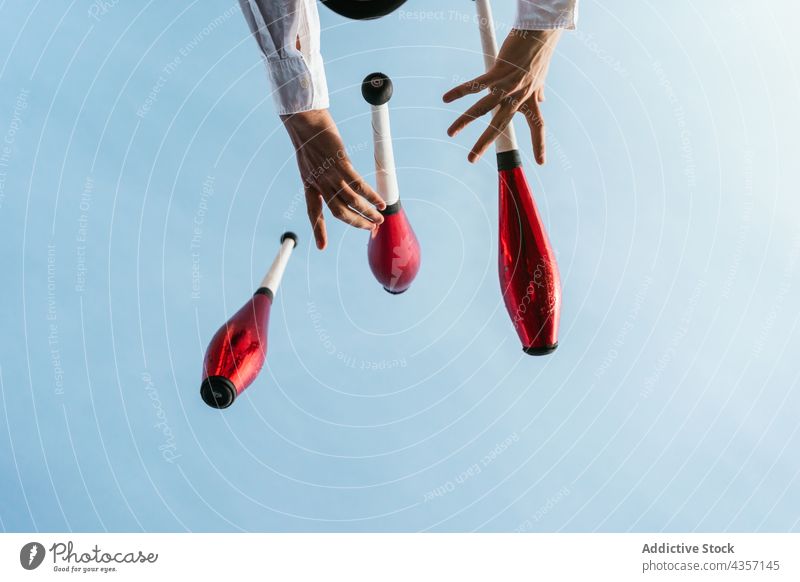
377,89
363,9
291,235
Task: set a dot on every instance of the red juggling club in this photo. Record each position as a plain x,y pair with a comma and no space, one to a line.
394,252
237,351
528,270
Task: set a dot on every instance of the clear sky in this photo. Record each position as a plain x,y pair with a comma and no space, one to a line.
670,196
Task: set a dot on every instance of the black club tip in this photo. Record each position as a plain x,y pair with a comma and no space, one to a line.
291,235
540,351
218,392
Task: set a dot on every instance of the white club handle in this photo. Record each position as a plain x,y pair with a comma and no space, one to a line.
507,140
386,173
272,279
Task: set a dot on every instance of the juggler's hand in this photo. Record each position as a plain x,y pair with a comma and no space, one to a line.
515,84
328,175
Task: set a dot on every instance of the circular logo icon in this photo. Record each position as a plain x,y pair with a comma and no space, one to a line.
31,555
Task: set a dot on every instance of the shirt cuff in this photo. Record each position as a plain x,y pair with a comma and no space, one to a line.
540,15
298,83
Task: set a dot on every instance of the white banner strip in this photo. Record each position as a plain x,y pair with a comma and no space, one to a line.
400,557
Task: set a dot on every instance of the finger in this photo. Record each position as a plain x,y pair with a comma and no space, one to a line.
476,85
536,123
338,199
357,202
540,95
361,187
314,206
479,109
499,122
344,213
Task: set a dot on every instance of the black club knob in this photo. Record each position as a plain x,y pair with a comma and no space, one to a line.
377,89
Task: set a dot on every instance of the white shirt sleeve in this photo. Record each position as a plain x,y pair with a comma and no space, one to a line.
546,14
297,75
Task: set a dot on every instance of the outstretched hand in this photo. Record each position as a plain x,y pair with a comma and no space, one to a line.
328,175
515,84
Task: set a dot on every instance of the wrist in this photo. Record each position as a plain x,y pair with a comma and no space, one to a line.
310,118
305,125
533,41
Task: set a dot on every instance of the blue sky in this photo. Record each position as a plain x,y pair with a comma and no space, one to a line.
670,196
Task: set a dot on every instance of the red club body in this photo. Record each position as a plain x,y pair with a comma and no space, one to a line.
394,253
237,351
528,271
